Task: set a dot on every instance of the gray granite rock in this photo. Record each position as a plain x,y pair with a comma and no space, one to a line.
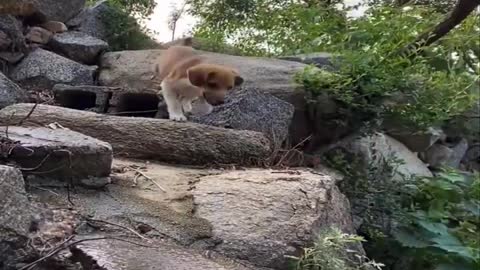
262,215
43,69
10,92
90,20
250,109
78,46
59,153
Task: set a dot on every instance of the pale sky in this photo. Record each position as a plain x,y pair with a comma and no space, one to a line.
158,21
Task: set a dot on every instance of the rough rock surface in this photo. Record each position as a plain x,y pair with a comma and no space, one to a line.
262,215
441,155
59,153
16,218
116,255
417,142
135,69
78,46
5,41
252,110
10,93
55,27
43,69
89,21
376,150
39,35
164,140
13,28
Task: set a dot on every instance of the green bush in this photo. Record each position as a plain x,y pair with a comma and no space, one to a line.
373,76
426,223
333,251
123,30
442,222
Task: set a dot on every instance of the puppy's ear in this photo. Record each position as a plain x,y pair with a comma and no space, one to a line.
197,76
238,80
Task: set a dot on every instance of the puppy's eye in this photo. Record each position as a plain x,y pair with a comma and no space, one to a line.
230,88
212,85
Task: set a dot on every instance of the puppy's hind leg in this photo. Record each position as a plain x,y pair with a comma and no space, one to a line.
174,105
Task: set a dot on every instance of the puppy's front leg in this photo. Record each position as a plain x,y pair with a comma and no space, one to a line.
174,105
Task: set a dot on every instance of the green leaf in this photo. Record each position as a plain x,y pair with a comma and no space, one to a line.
409,239
434,227
451,244
454,267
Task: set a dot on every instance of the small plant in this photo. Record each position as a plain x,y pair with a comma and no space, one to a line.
331,252
442,222
123,31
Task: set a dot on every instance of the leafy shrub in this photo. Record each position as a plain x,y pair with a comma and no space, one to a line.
373,76
123,30
331,252
442,222
418,223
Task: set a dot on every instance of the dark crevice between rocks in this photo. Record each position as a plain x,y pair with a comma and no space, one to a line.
77,99
87,262
138,105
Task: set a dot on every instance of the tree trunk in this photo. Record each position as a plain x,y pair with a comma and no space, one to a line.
148,138
462,9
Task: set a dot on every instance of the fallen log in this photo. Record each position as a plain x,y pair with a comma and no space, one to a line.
147,138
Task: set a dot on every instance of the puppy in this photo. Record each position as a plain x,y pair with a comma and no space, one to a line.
187,76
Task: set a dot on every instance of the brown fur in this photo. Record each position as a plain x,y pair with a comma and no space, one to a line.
186,76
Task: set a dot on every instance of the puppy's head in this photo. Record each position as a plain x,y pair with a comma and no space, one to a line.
215,79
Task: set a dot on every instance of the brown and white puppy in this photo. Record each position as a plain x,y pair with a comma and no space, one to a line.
187,76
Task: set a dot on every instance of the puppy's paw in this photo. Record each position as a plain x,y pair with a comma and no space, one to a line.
178,118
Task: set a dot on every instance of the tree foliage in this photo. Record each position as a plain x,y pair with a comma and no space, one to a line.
124,32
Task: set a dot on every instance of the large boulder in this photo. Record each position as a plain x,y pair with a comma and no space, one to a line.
90,20
445,154
43,10
78,46
375,151
38,35
60,153
13,29
10,93
16,218
249,109
262,215
135,69
42,69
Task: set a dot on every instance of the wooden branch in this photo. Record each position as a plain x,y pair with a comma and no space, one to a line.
460,12
148,138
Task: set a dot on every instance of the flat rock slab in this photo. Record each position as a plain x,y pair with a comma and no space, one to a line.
60,154
78,46
43,10
263,215
180,143
134,69
117,255
10,92
90,20
16,215
250,109
43,69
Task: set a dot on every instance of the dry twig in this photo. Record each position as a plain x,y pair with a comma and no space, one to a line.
64,245
120,226
28,115
149,178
